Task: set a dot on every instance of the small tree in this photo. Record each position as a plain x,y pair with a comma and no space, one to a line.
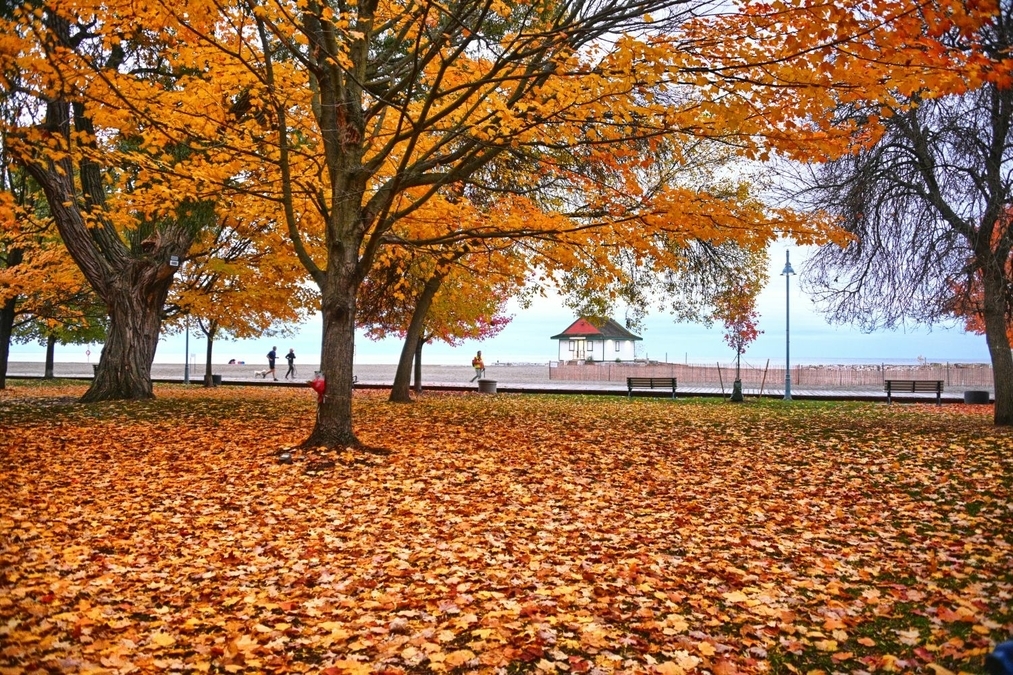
736,309
239,280
79,321
968,293
421,297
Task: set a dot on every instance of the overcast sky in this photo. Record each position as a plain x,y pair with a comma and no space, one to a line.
526,339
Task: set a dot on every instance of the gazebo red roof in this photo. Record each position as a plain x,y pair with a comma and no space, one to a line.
597,328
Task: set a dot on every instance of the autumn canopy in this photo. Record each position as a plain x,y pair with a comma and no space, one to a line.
591,141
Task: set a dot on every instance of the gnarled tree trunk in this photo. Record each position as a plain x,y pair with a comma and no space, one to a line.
131,277
133,287
124,369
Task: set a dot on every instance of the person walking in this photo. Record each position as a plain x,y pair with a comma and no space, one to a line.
271,357
478,365
290,357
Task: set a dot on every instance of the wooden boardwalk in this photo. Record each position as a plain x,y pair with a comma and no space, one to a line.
619,389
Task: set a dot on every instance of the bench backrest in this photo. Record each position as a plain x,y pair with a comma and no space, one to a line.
650,381
913,385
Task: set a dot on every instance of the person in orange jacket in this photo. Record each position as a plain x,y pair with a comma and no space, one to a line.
479,366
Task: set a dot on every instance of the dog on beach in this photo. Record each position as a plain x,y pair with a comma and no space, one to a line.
261,373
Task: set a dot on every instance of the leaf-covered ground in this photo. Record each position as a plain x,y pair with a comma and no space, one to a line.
518,534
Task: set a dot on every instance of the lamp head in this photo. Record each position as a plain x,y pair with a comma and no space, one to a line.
787,265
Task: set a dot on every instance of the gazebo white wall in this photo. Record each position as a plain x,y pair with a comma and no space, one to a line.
598,350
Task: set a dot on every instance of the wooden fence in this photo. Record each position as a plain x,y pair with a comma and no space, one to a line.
973,375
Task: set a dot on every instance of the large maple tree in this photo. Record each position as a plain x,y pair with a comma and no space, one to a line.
398,105
127,198
347,119
928,205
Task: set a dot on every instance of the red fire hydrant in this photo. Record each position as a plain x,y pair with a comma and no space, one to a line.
319,385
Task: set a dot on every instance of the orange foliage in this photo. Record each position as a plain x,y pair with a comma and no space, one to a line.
240,276
594,114
46,282
736,309
968,298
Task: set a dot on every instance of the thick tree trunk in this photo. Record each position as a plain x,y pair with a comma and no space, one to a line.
333,427
133,286
124,369
994,315
50,356
402,377
6,328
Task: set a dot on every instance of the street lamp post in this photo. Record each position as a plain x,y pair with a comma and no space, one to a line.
787,272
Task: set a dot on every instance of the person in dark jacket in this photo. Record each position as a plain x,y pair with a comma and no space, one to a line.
271,357
290,357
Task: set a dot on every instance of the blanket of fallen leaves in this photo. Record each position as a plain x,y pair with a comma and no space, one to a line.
501,533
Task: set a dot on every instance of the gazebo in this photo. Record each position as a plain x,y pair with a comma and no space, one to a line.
596,338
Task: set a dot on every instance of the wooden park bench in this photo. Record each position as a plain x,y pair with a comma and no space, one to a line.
913,386
650,383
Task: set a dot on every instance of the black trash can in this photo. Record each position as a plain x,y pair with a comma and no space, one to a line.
487,386
977,396
216,380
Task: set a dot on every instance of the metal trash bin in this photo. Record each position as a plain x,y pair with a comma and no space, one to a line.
487,386
977,396
216,380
